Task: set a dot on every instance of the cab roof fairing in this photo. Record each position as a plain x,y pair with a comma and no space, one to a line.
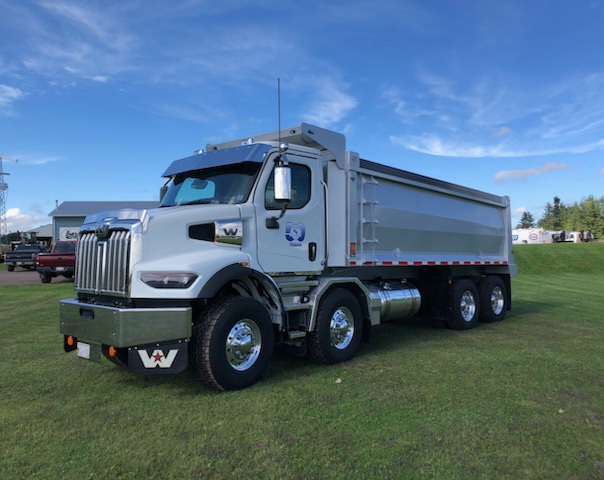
245,153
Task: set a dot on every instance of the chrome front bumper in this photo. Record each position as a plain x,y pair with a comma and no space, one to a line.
123,327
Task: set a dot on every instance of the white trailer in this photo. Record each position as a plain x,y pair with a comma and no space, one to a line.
288,238
523,236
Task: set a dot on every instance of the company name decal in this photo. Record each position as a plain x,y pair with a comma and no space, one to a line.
295,233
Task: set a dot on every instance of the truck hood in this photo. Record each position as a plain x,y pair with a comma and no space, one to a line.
175,216
161,241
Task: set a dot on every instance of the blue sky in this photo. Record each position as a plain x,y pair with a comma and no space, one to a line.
98,97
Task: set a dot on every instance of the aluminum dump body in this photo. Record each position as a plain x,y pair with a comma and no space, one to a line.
394,217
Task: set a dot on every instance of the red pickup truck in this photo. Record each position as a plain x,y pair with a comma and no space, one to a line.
60,261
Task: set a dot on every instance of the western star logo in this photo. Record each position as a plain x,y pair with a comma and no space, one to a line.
102,231
157,358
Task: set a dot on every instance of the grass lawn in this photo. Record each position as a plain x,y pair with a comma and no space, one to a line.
521,399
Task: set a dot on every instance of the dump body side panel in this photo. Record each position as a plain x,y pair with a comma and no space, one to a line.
400,218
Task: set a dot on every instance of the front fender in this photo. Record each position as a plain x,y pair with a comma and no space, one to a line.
258,285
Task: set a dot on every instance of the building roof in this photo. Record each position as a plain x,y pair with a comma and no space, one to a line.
42,230
81,209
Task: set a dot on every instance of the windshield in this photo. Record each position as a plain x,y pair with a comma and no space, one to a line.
65,247
225,184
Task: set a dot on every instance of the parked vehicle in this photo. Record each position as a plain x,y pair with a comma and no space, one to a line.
59,261
283,237
24,255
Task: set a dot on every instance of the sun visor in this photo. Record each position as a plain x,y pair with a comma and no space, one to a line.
245,153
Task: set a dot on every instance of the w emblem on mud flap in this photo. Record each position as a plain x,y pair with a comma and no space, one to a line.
157,358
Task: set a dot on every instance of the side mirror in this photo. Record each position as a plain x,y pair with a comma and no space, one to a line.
162,192
283,183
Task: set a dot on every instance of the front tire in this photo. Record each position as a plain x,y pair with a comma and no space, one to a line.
465,306
10,268
339,328
232,343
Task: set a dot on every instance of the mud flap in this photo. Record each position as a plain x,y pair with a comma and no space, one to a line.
159,358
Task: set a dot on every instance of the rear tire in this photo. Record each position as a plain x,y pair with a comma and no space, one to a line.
493,299
45,278
465,306
232,343
339,328
10,268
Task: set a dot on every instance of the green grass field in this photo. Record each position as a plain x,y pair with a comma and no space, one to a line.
521,399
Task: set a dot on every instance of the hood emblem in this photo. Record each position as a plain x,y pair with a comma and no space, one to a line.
102,230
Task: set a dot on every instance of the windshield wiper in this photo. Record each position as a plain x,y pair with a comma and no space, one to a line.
197,202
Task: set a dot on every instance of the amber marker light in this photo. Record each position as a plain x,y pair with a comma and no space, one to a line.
70,341
112,351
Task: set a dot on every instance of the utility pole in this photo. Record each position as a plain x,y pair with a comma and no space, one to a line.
3,195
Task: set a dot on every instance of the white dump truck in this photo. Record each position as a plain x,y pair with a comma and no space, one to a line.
285,238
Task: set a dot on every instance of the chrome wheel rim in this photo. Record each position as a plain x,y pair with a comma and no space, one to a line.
243,344
341,328
467,306
497,300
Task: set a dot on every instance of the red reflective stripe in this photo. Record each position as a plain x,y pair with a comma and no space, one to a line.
428,263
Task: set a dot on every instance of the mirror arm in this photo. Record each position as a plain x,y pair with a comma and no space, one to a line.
273,222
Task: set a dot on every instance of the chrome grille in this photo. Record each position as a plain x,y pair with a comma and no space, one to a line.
102,265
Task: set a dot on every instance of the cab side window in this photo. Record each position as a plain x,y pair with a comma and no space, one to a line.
300,189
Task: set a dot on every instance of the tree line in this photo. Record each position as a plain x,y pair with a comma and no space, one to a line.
588,214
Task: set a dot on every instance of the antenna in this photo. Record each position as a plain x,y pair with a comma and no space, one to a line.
3,195
279,108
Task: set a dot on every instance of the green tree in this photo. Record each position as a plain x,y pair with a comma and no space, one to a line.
526,221
591,215
554,216
588,214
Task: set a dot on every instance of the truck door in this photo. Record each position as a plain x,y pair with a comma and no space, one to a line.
296,242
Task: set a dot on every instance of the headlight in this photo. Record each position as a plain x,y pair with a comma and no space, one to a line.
168,279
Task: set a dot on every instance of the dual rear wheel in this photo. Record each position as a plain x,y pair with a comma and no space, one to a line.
470,302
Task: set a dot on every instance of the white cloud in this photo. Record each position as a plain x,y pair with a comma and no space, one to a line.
434,145
440,147
331,105
9,95
33,159
62,36
504,175
502,132
499,118
18,220
517,212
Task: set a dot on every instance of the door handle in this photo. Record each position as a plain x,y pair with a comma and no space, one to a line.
312,251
